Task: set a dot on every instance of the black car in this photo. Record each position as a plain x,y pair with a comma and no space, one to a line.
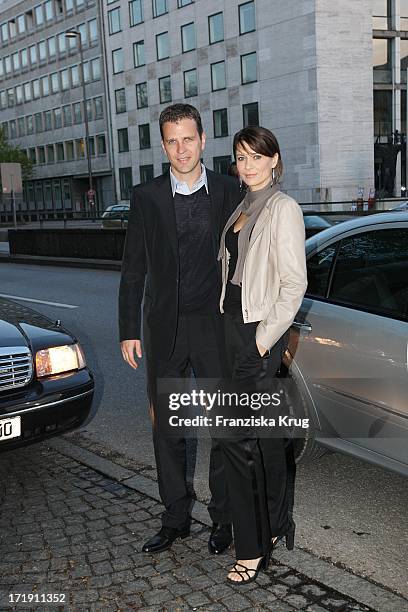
45,386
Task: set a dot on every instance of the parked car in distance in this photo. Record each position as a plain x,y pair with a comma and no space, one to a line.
348,346
401,206
116,216
45,386
314,224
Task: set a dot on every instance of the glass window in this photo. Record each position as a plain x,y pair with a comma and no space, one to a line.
190,83
123,141
221,164
126,183
114,20
248,68
47,120
218,77
165,89
19,94
318,271
41,155
188,41
21,126
98,103
7,64
50,154
36,89
21,24
141,95
4,32
10,97
246,17
382,60
83,32
3,99
1,68
215,28
69,150
38,123
33,54
93,30
77,108
16,61
13,129
381,10
144,136
54,82
80,148
62,43
89,110
42,51
51,47
57,118
49,12
138,53
117,60
146,173
45,85
69,5
24,58
87,72
371,272
404,59
162,45
79,3
120,100
60,151
135,12
250,114
32,155
30,125
74,76
101,142
184,3
159,7
96,69
67,114
91,144
220,119
64,79
4,128
39,15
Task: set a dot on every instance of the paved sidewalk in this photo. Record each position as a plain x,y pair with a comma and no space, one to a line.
66,528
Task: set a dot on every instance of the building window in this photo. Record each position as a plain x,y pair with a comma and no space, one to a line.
144,136
38,123
62,43
10,97
21,24
117,60
45,85
67,114
141,95
57,118
382,115
42,51
89,110
139,53
32,155
250,114
220,120
382,60
41,155
218,78
27,92
221,164
246,17
120,100
123,140
36,89
188,40
64,79
33,55
162,45
80,148
13,129
30,125
91,144
215,28
248,68
83,32
69,6
96,69
69,150
39,15
19,94
159,7
146,173
87,73
54,83
93,31
52,49
60,151
114,21
24,58
126,182
21,126
16,61
98,104
77,108
101,143
382,14
135,12
182,3
47,120
190,83
74,76
165,89
49,13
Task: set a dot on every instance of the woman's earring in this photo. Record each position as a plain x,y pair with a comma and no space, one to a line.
273,176
240,184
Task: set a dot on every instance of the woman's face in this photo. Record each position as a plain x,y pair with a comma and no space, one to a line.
254,169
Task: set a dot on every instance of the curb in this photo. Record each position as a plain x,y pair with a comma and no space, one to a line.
69,262
341,580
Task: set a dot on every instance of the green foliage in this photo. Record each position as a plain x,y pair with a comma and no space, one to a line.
10,154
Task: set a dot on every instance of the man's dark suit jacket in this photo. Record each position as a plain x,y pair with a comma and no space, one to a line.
150,265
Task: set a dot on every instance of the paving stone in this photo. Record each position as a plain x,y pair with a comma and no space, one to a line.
197,599
313,589
291,580
235,602
157,596
297,601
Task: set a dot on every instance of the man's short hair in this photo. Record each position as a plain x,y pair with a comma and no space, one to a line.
176,112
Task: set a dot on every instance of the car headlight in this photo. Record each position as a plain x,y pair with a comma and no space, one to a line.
58,359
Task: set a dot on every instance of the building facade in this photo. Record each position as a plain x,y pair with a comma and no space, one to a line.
42,104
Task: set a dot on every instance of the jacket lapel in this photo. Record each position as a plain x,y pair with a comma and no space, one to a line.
263,218
216,192
165,202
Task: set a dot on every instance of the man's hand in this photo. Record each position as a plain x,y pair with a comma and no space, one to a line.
129,348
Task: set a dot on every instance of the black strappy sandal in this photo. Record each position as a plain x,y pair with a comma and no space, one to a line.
262,565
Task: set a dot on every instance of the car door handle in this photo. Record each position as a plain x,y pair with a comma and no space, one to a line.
302,326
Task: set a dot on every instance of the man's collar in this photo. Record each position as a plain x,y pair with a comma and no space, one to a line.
183,188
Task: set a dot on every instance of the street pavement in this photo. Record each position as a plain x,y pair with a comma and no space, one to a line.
349,513
71,532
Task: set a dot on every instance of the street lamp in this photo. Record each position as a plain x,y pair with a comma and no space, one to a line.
77,34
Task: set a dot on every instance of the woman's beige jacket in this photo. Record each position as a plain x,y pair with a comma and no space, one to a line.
274,277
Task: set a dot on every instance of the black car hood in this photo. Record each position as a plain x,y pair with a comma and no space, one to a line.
21,326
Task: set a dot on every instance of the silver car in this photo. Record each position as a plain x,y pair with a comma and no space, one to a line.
349,343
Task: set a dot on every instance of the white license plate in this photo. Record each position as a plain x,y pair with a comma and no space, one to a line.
10,428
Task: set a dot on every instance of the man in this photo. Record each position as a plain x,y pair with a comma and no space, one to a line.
170,260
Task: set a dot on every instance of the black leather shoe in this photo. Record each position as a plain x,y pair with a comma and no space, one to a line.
220,538
164,539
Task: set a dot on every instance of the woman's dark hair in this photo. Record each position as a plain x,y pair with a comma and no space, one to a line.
176,112
260,140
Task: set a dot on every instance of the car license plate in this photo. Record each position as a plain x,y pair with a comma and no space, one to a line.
10,428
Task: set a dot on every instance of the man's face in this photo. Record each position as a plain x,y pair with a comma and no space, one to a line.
182,145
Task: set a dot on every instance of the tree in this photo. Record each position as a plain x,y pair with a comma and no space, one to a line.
16,155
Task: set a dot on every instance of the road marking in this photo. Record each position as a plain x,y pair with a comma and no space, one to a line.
23,299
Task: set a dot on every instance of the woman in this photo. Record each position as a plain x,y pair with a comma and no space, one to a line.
264,280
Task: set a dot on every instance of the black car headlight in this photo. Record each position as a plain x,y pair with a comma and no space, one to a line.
59,359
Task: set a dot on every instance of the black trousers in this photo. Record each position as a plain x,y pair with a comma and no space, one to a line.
199,348
260,470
